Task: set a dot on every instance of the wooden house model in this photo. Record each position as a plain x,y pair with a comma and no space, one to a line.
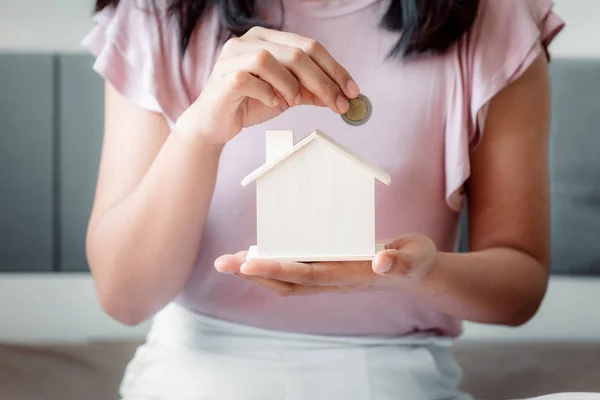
315,201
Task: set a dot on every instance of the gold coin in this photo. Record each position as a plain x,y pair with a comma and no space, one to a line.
359,112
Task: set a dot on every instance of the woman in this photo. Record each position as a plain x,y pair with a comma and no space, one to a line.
460,94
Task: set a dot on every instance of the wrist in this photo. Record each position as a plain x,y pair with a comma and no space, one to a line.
190,126
196,139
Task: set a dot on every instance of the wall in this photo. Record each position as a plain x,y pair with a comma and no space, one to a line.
40,25
59,308
582,35
61,24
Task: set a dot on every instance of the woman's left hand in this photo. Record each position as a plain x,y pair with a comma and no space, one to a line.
406,264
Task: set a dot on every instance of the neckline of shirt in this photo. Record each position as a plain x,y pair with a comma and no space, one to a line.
326,8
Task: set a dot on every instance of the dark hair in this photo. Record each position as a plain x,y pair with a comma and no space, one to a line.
427,26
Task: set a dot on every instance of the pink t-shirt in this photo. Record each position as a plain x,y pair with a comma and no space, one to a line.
427,118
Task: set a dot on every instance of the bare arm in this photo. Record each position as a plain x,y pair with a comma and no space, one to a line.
154,190
503,278
155,185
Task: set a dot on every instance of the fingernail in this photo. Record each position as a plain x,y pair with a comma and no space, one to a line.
385,266
275,101
342,103
219,267
244,268
298,100
352,88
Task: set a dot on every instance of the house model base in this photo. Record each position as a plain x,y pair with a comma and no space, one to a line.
315,201
254,254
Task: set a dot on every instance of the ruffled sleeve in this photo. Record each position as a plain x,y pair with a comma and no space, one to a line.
137,50
507,37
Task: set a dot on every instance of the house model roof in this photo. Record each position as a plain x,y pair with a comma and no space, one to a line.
378,173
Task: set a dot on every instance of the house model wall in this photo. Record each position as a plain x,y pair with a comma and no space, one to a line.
315,201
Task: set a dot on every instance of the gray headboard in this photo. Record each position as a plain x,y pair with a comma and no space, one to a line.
574,167
51,116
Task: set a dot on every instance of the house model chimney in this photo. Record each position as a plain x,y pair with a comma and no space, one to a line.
278,142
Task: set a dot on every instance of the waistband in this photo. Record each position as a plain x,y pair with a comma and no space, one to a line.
177,326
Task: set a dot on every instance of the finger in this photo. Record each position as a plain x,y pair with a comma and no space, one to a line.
392,263
306,72
405,257
232,48
311,76
286,289
312,274
264,65
281,288
300,290
230,263
244,84
316,52
292,272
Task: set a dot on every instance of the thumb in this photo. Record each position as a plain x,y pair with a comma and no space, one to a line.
393,262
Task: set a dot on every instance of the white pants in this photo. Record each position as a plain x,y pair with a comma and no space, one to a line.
191,357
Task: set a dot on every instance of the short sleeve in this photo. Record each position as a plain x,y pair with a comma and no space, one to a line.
508,35
137,50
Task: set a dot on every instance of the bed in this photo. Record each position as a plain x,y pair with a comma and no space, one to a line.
493,371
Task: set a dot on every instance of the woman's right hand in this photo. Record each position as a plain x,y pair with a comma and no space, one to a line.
260,75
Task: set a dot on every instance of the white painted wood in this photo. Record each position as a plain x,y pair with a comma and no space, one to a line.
377,172
316,202
254,254
279,142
